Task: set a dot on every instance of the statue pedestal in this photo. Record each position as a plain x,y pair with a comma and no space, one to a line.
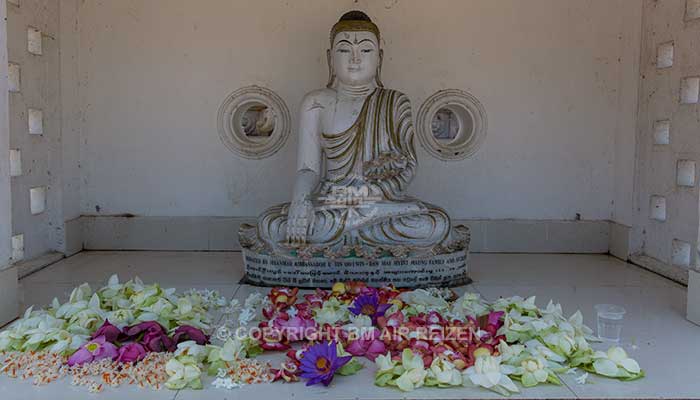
437,270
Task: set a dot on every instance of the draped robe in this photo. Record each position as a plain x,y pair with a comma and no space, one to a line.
371,163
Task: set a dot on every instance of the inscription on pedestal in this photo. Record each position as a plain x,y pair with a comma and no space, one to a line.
439,270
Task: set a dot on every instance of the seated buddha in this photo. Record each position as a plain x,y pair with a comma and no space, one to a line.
356,158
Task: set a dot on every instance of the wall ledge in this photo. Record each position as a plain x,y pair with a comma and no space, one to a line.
221,234
9,304
28,267
672,272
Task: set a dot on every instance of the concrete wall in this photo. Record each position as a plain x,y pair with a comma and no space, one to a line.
557,79
669,238
8,274
41,154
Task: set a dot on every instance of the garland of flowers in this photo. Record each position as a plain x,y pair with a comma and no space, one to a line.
132,333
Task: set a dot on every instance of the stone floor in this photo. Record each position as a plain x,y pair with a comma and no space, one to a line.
655,330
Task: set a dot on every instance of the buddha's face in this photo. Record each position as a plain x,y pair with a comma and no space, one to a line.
355,57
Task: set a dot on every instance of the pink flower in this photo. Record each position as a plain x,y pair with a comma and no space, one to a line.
296,328
109,331
93,350
131,352
367,345
495,318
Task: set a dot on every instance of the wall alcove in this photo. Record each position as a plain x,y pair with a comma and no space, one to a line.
254,122
452,124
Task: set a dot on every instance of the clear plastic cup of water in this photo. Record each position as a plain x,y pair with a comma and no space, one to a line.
609,321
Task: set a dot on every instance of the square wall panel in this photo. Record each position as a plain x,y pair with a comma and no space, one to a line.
15,162
13,2
35,120
662,132
37,200
664,55
690,90
680,253
685,175
34,41
13,77
692,9
17,248
657,208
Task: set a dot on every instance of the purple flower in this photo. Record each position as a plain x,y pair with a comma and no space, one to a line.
109,331
319,363
368,304
185,332
158,342
131,352
93,350
151,335
148,326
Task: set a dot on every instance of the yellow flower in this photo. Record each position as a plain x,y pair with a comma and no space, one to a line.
339,288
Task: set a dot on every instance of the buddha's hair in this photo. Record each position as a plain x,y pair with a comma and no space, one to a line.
354,21
355,15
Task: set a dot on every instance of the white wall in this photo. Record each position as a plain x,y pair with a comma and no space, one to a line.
557,79
5,197
8,274
659,99
41,154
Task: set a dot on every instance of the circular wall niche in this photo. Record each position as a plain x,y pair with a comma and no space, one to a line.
254,122
452,124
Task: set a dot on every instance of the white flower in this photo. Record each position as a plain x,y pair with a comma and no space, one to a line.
536,348
534,371
469,304
226,383
331,312
421,297
615,363
246,316
183,371
445,372
581,380
488,373
411,379
384,362
510,352
192,349
414,373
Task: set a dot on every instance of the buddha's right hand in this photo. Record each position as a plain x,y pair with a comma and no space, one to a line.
299,221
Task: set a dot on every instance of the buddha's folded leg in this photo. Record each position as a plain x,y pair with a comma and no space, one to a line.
420,231
272,224
333,229
327,228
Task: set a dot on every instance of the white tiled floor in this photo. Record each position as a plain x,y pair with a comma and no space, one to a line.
655,333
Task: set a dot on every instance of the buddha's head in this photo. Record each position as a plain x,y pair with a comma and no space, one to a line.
354,57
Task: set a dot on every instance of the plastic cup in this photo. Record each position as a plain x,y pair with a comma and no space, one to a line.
610,319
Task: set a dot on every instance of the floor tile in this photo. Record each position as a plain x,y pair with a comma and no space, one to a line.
655,330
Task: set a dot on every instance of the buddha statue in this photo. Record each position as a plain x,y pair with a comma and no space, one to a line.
356,158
